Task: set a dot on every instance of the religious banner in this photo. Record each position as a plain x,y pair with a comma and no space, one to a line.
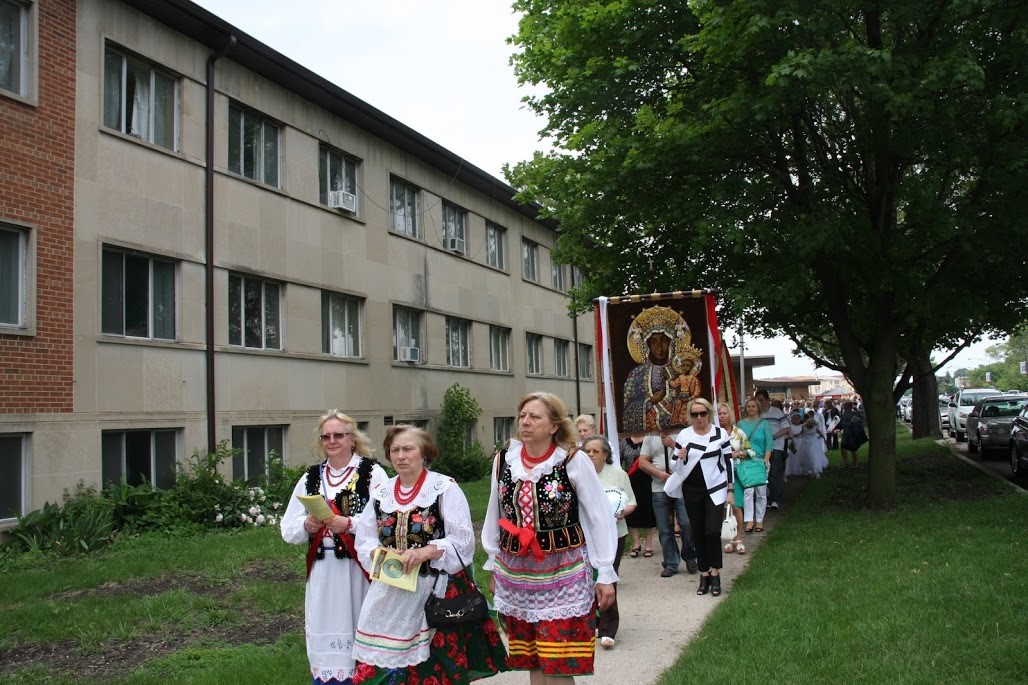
656,353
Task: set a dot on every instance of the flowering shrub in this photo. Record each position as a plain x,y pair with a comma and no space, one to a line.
246,506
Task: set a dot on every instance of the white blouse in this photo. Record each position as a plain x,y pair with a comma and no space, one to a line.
593,508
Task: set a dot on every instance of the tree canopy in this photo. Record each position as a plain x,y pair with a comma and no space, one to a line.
847,174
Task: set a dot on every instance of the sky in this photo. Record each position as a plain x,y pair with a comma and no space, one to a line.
442,68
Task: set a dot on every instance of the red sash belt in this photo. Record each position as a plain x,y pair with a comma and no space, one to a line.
318,540
526,538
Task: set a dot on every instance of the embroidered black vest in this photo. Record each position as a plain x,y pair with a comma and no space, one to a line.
349,502
403,530
555,503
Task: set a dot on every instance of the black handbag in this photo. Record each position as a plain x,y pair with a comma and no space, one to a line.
454,612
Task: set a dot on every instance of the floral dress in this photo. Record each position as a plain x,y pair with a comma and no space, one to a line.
393,643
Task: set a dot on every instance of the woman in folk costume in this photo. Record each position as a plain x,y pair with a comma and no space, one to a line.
336,585
704,470
547,528
423,516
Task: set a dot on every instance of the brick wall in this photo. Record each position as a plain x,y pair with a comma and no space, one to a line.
37,187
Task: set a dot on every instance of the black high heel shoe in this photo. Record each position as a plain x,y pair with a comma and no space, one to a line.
704,587
715,586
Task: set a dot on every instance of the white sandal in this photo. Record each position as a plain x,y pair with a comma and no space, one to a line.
730,546
740,548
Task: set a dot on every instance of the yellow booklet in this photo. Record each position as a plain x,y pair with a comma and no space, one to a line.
387,567
316,506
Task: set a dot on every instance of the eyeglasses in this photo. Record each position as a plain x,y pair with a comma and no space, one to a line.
325,437
697,414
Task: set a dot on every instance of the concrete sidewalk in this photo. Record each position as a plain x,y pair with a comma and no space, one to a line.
658,617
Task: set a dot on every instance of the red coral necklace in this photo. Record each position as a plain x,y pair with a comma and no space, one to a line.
405,498
342,479
531,462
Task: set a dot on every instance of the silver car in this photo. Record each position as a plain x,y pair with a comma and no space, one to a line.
988,424
962,405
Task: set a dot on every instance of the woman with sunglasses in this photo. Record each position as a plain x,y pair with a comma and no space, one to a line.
336,585
704,467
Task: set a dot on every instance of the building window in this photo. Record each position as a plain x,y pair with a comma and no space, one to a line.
140,99
503,430
137,457
13,263
585,361
406,334
252,145
405,206
138,296
455,222
254,307
253,447
495,245
560,357
341,330
530,260
557,272
337,180
576,277
458,342
499,348
534,352
18,39
12,476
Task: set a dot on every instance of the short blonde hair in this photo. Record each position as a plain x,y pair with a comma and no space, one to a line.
726,407
361,443
703,402
557,412
587,419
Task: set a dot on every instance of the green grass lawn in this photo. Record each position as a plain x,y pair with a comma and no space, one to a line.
933,592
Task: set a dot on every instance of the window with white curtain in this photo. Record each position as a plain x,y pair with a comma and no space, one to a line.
503,429
341,325
499,348
458,342
557,272
252,145
560,357
495,245
337,171
406,329
530,260
254,312
137,295
534,353
455,231
405,207
585,361
13,257
140,99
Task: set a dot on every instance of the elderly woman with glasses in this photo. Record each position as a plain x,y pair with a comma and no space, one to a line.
336,585
704,471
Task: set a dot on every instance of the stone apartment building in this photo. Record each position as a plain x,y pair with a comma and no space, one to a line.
202,240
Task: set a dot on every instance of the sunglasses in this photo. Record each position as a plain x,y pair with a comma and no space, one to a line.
697,414
325,437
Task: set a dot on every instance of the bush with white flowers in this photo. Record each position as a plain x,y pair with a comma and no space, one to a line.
247,506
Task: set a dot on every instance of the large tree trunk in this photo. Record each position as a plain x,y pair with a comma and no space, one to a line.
924,414
880,409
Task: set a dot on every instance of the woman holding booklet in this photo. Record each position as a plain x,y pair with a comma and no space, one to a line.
422,519
337,489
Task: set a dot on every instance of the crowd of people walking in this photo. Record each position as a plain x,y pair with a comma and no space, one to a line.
562,512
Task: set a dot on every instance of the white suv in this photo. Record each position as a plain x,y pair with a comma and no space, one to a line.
961,406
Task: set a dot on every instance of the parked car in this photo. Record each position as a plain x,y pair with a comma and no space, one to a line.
962,404
1018,445
944,412
906,408
989,423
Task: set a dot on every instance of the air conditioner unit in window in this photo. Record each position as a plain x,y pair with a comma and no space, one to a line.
340,199
454,245
410,354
